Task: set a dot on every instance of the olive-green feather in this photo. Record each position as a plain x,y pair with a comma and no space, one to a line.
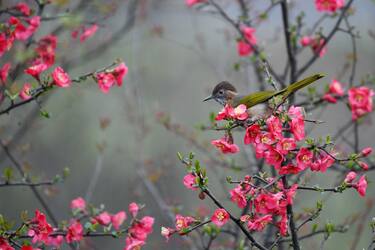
263,96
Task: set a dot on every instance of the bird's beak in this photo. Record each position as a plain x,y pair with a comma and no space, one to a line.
208,98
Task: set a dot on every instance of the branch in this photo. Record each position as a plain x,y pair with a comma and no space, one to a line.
326,41
25,183
238,28
235,220
33,188
289,210
45,88
289,46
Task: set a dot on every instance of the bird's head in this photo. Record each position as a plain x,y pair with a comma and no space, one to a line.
222,93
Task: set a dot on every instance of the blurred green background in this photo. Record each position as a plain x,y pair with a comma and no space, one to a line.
175,56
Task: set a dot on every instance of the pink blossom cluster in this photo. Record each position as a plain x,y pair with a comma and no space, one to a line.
107,79
329,5
317,44
191,3
266,206
84,33
17,28
360,98
21,27
43,234
245,46
360,185
183,223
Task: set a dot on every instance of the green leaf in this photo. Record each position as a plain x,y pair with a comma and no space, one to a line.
329,228
229,179
66,173
319,205
197,166
8,174
237,66
44,113
180,156
315,227
212,117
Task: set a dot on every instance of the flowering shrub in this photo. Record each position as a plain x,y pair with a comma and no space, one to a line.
285,157
38,64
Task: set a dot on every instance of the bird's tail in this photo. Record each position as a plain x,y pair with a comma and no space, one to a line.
300,84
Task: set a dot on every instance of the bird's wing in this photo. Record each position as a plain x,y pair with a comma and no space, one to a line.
256,98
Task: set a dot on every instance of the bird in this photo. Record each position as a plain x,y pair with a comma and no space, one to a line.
256,103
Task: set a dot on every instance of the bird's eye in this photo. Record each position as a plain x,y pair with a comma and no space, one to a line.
221,92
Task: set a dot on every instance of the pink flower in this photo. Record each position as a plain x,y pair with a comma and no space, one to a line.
274,126
141,229
297,127
183,222
190,3
78,203
4,72
4,245
329,98
189,182
289,169
75,232
243,48
46,50
304,158
297,123
167,232
133,209
285,145
240,112
118,219
366,151
27,248
252,132
328,5
259,223
274,157
267,203
20,31
23,8
305,41
361,186
25,92
133,244
225,113
220,217
5,43
350,177
88,32
335,87
360,101
36,69
105,81
249,34
39,228
237,195
61,78
55,241
323,162
318,46
103,219
295,112
225,146
283,225
363,165
120,72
